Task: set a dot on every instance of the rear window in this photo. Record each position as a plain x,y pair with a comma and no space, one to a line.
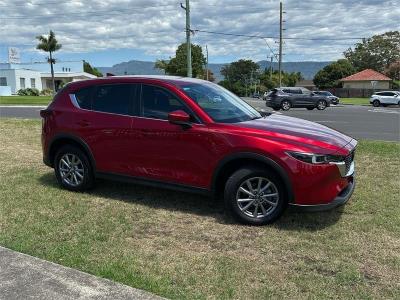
84,98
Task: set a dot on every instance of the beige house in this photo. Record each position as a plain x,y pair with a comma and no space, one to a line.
367,79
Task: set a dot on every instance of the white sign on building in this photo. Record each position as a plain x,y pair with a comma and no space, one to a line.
13,55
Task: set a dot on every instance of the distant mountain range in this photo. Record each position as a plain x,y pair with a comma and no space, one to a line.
135,67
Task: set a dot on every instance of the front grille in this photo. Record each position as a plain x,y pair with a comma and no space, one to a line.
348,160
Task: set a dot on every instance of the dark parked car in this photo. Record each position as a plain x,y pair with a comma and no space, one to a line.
333,98
195,136
287,97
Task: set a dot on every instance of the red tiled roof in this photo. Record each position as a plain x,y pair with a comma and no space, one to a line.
367,75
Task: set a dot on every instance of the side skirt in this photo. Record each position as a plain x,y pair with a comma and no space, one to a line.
154,183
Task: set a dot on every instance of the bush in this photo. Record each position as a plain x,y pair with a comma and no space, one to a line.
46,92
28,92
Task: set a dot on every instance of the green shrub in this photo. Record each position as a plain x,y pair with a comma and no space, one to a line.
28,92
46,92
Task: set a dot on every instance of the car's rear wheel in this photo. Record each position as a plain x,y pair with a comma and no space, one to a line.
321,104
286,105
73,169
376,103
310,108
255,196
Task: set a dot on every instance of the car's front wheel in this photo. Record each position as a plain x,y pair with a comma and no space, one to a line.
321,104
286,105
376,103
255,196
73,169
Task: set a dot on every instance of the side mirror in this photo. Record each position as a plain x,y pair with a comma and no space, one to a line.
179,117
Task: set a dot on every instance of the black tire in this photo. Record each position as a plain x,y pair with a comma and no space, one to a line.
321,104
286,105
87,181
238,178
398,103
376,103
276,108
310,108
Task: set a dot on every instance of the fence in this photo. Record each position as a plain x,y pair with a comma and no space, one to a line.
354,93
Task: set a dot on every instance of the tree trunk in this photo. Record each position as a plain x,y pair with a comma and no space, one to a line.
52,73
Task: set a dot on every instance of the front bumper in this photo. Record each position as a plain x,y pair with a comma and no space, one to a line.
340,200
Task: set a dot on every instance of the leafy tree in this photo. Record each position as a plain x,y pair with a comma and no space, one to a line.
91,70
161,64
49,44
377,52
330,75
288,79
393,71
239,75
210,75
178,64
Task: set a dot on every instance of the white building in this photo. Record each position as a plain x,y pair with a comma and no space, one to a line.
16,76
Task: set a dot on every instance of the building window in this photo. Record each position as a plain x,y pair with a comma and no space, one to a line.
3,81
22,83
33,83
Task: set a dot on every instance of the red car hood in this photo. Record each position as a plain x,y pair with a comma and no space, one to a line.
300,131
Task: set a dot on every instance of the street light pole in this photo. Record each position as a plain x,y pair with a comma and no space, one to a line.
188,43
280,42
207,62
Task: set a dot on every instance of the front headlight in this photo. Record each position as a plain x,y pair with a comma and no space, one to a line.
312,158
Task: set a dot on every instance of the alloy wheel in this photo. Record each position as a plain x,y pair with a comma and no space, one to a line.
286,105
71,169
257,197
321,105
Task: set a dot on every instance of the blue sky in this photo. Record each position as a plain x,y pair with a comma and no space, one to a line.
109,32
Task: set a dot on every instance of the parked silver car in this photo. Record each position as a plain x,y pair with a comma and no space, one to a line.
385,98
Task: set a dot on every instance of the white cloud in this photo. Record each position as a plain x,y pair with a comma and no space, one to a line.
156,27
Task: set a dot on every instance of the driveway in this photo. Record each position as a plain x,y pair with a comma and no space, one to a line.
26,277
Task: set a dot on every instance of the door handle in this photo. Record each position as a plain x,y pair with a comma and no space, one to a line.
83,123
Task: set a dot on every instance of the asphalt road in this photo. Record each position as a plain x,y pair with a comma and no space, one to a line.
360,122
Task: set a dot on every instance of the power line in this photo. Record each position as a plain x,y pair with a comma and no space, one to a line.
277,37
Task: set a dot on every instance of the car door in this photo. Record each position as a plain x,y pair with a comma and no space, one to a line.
164,151
105,124
391,98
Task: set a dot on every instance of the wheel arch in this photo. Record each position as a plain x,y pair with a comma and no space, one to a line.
233,162
68,139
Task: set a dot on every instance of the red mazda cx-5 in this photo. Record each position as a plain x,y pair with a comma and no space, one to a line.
192,135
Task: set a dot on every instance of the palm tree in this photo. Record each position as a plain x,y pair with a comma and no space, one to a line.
49,44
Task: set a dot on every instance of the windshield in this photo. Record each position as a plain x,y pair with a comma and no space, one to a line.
220,104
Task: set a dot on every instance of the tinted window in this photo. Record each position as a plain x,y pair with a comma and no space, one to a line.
158,102
84,97
113,98
220,104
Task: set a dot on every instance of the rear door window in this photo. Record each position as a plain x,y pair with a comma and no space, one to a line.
114,98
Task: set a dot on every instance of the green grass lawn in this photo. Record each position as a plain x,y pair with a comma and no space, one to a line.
25,100
181,246
356,101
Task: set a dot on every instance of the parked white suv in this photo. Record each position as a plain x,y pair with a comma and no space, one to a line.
385,98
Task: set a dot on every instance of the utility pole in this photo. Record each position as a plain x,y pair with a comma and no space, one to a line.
280,42
188,43
206,62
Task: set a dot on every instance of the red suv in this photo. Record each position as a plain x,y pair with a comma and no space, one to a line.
192,135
